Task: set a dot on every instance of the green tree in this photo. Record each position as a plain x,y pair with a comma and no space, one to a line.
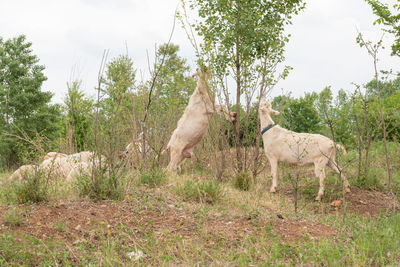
78,121
300,115
243,40
387,87
343,129
389,16
24,108
116,104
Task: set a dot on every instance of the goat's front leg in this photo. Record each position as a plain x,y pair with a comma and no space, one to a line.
274,173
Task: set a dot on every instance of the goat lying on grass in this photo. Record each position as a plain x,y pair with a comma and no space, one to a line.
60,165
281,145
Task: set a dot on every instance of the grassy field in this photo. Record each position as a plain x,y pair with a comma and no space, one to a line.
191,220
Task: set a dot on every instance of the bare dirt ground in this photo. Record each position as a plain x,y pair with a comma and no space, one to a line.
79,218
371,203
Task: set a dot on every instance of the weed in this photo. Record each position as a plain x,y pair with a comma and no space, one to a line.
99,186
363,242
242,181
34,189
59,226
206,192
153,177
27,251
14,217
372,181
332,189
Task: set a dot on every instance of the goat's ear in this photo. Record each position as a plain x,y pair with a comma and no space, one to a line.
275,112
196,73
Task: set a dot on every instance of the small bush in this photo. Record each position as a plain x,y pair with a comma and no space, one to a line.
208,192
100,186
242,181
33,189
333,189
59,226
372,181
153,177
14,217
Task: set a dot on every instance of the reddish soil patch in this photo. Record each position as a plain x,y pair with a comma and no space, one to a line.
90,221
358,201
293,231
371,203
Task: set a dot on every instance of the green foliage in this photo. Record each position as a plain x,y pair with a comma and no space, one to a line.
386,87
242,181
243,31
333,188
116,107
373,181
205,192
360,242
24,108
118,82
99,186
300,115
14,217
153,177
171,92
79,120
244,41
33,189
391,116
390,19
23,250
59,226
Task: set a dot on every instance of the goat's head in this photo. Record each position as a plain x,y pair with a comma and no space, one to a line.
203,74
266,108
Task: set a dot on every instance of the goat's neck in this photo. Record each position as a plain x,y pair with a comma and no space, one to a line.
202,86
266,120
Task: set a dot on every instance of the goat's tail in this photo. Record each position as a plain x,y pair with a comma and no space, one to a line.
341,148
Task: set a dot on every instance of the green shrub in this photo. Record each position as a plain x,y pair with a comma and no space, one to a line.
99,186
33,189
14,217
372,181
205,192
153,177
242,181
333,188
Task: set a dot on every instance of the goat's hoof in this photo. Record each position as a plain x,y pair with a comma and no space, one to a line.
272,190
318,198
347,190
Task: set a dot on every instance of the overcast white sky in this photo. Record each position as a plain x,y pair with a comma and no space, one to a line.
70,36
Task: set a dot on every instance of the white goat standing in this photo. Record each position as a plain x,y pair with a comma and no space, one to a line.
281,145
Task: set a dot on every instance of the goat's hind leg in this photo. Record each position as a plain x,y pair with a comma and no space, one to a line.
333,165
274,171
320,172
176,159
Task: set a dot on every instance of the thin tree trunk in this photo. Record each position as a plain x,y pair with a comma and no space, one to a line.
389,172
359,146
367,138
238,93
